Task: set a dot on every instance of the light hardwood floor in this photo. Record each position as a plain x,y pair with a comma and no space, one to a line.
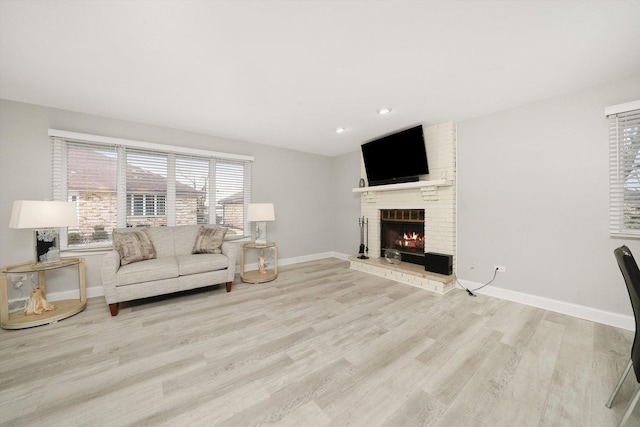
321,345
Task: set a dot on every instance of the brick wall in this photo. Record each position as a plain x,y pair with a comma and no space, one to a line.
99,211
439,203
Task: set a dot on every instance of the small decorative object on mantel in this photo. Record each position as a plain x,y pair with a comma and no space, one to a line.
392,256
37,304
361,184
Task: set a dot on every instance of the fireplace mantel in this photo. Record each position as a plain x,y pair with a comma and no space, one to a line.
428,189
404,186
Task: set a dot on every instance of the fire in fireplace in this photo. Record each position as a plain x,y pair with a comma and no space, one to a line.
411,241
403,230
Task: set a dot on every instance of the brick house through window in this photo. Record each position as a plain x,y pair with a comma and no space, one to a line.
91,183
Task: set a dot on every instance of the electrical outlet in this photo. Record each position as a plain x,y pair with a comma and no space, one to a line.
500,268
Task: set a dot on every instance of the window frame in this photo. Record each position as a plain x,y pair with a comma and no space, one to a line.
624,154
149,201
59,182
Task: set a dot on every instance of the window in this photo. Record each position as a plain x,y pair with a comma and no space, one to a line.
146,183
119,183
89,180
624,169
192,190
229,194
145,204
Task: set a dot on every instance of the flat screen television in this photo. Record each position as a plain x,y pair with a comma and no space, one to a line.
396,158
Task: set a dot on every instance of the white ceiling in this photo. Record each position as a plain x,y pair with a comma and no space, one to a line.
288,73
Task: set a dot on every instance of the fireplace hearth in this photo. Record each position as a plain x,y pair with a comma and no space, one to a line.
403,230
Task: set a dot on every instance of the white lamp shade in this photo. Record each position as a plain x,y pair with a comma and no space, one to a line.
43,214
261,212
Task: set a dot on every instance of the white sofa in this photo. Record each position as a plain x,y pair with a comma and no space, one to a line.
175,268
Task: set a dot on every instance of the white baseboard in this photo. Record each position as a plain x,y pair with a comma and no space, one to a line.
340,255
97,291
307,258
580,311
588,313
92,292
300,259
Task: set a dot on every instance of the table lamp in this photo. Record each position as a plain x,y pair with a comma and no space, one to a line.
44,217
260,213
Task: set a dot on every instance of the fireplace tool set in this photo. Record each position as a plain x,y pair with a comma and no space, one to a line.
364,225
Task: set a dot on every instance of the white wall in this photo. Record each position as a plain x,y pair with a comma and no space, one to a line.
345,206
533,196
300,185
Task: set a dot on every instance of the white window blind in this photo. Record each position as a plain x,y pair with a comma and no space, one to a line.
229,195
624,171
146,183
117,185
86,175
192,190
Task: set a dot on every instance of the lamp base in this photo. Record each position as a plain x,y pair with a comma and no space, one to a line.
261,232
47,249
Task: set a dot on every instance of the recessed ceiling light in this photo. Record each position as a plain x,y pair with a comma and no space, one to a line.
340,130
384,111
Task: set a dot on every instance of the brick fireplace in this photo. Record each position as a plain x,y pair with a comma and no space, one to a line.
434,195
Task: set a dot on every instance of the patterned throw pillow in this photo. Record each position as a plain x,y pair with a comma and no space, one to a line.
133,246
209,240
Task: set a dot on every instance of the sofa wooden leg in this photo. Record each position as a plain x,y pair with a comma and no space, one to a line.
229,286
113,308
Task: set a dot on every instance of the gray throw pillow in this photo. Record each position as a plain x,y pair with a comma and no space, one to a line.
209,240
133,246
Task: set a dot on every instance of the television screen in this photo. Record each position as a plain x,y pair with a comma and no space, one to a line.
399,157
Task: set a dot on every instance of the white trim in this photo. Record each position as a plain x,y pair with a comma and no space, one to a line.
298,260
403,186
580,311
305,258
340,255
85,137
92,292
622,108
98,291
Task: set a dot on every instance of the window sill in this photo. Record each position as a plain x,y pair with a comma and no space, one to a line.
65,253
84,252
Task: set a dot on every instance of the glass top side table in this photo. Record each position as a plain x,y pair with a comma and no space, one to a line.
267,262
63,308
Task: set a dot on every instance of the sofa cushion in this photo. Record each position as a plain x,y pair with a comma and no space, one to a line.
201,263
133,246
184,237
146,271
162,238
209,240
